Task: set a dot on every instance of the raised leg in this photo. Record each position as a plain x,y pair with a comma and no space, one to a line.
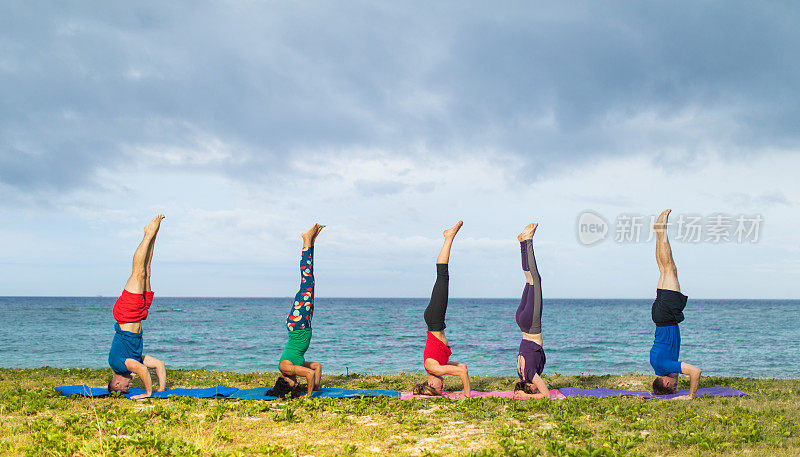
668,271
449,236
529,314
138,279
437,307
310,235
303,308
527,254
150,249
522,304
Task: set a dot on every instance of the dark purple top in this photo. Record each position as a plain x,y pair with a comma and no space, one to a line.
533,354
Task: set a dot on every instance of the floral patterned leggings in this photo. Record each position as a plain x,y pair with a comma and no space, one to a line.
303,308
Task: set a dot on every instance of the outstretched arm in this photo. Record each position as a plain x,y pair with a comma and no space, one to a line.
141,371
317,367
543,391
307,373
464,375
452,369
161,371
694,380
694,377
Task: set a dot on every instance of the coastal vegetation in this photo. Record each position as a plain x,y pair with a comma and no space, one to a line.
36,420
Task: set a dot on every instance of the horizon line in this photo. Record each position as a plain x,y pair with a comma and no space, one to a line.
425,297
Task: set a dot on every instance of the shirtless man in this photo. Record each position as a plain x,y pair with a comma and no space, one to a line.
667,313
131,308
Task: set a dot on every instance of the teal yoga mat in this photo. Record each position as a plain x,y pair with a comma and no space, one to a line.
208,392
260,393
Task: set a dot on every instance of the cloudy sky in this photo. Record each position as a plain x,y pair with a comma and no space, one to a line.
245,122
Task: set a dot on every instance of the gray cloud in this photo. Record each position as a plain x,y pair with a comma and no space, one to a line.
370,188
759,201
87,87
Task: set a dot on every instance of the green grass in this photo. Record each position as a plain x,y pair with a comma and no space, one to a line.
35,420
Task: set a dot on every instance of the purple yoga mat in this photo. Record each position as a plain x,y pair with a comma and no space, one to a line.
554,394
601,392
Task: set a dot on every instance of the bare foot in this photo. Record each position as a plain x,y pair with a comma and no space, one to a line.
661,223
311,234
451,233
154,225
527,232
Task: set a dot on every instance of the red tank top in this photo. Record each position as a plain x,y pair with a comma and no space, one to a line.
435,349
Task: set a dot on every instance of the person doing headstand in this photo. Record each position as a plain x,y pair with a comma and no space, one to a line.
667,313
298,323
436,356
131,308
531,358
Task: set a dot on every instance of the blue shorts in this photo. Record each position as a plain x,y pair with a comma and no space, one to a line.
125,345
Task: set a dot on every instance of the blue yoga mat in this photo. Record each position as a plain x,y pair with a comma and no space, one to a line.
208,392
259,393
601,392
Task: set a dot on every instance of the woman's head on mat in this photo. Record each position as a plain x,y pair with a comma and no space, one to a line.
288,374
291,373
527,387
290,381
120,383
432,386
664,385
285,385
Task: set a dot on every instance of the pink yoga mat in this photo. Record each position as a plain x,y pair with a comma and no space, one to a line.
554,394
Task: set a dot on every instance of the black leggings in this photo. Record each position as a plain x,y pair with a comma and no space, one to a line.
437,308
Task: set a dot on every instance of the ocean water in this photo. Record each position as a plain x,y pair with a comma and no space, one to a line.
755,338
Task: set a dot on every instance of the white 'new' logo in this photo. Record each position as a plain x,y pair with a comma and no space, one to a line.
592,228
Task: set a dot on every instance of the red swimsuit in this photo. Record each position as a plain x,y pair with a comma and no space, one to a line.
435,349
132,307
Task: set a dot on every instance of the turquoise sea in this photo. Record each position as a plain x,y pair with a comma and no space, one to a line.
755,338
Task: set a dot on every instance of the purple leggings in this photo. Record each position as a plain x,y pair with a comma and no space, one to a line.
529,313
